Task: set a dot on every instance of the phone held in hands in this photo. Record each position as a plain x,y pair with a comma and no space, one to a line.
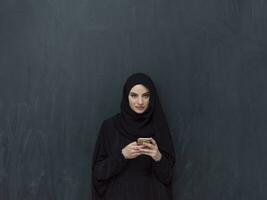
141,141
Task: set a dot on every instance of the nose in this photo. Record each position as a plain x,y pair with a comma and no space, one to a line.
140,100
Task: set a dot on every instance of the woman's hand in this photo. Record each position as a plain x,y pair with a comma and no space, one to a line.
131,151
151,150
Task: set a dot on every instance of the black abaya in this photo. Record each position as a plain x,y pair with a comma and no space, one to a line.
141,178
115,178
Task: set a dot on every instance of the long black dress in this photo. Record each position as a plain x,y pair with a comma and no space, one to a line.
115,178
141,178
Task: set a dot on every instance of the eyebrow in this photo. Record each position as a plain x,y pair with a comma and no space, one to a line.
136,93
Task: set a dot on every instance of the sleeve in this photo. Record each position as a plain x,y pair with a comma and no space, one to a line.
163,169
106,164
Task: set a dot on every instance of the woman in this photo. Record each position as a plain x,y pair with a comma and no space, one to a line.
122,169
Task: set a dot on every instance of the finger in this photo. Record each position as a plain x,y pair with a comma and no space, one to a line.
153,141
136,148
141,146
148,154
135,151
133,146
147,151
133,143
136,154
151,146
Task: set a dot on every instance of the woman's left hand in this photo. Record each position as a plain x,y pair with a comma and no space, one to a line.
151,150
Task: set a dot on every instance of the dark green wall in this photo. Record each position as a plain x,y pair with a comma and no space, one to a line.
62,66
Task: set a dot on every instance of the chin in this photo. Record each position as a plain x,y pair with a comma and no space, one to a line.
140,111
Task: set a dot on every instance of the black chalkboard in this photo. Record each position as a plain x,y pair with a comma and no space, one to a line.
62,66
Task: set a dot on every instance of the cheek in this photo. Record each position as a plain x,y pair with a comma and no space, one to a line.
131,101
147,102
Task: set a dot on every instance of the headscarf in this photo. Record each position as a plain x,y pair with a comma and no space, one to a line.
151,123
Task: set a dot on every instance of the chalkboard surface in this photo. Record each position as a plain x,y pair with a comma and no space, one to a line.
62,67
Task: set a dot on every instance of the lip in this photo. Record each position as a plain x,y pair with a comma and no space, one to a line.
139,108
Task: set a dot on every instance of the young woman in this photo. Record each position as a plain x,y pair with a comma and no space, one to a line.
125,167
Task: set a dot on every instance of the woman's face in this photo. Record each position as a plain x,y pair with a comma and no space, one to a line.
139,98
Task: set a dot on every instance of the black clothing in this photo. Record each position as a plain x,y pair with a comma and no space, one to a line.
116,178
151,122
141,178
134,125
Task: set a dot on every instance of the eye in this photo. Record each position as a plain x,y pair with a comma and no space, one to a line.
133,95
146,95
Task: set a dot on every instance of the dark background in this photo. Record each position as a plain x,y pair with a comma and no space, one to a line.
62,67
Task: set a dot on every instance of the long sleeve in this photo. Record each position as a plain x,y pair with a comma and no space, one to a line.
106,164
163,169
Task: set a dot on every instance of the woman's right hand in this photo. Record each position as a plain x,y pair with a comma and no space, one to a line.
131,151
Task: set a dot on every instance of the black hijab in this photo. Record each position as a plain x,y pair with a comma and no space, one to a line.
151,123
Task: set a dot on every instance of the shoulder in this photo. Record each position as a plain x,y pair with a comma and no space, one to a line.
107,128
109,122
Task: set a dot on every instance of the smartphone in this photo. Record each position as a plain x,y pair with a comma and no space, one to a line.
140,141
